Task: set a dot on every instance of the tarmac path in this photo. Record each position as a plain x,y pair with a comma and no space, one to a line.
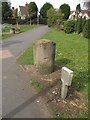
19,99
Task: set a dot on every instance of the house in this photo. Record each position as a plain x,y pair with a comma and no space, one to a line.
83,13
22,12
14,12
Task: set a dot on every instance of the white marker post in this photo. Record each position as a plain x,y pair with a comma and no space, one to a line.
66,78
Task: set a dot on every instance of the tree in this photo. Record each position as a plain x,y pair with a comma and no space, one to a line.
79,25
6,10
65,9
31,11
16,16
54,17
78,10
51,14
44,9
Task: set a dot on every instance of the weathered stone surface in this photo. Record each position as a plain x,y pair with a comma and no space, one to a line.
64,91
12,31
44,54
66,77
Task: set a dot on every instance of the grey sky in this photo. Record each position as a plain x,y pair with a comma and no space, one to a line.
55,3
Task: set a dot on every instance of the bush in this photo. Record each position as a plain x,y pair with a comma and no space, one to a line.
69,26
75,28
86,30
21,22
9,21
34,21
83,23
43,21
79,25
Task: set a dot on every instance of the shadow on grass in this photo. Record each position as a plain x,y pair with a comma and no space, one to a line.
62,62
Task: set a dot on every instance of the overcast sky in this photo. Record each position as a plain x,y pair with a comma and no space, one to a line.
55,3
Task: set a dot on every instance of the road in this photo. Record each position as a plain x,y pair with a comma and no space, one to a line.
19,99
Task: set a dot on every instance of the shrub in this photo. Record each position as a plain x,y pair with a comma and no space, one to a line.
43,21
86,30
21,22
69,26
83,23
9,21
75,28
79,25
34,21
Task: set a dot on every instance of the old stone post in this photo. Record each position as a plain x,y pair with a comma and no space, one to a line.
66,77
44,54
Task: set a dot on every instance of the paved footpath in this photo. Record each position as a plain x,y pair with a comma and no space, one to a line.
19,99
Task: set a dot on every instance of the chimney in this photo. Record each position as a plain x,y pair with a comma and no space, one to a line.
26,4
12,8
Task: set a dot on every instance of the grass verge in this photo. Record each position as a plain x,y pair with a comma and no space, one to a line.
71,52
22,29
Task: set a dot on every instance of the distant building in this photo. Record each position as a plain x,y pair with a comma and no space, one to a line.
83,13
22,12
14,12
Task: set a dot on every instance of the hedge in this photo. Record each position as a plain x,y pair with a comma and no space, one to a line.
86,30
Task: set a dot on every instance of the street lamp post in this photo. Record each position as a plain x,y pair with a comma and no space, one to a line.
38,18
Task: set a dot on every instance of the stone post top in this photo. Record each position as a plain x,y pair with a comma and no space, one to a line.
45,41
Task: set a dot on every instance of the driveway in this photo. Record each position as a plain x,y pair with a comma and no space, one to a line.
19,99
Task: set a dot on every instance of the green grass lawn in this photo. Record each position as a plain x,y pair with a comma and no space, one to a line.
71,52
22,29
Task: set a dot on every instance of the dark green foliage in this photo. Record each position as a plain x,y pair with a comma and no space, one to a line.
86,30
43,21
78,9
69,26
75,28
83,23
33,9
9,21
65,9
6,10
79,25
44,9
21,22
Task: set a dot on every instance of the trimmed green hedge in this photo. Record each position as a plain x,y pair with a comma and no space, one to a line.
69,26
86,30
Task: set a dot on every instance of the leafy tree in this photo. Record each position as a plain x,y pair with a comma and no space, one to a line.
65,9
51,14
59,20
78,10
54,17
16,16
44,9
6,10
86,30
31,11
